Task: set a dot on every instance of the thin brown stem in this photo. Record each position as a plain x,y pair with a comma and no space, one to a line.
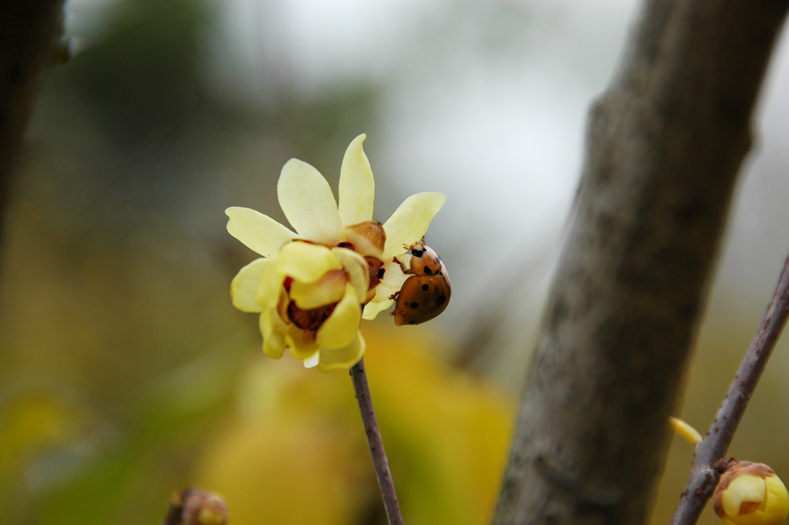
709,460
385,483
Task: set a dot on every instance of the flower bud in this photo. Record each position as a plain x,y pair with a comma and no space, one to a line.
751,494
196,507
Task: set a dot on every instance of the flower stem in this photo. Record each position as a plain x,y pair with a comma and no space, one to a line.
385,483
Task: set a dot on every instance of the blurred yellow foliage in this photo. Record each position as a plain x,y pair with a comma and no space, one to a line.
295,452
31,422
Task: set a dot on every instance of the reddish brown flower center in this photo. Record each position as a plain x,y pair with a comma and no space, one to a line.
309,319
375,267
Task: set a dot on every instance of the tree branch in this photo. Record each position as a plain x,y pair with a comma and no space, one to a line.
664,146
705,473
28,28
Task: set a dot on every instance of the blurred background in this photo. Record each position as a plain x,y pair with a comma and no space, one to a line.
126,374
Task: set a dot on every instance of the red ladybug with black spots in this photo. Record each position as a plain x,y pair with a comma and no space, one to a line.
426,293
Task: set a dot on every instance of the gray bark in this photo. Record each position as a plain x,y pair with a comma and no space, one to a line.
665,143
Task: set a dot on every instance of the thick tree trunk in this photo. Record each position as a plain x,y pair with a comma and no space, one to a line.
28,29
664,146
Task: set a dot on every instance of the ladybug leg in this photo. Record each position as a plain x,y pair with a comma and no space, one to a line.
394,296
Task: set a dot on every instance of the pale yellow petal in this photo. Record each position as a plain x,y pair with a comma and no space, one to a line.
306,262
393,274
301,343
373,308
777,500
744,488
256,231
328,289
410,221
342,358
342,325
385,290
356,269
273,330
270,287
244,286
308,202
357,186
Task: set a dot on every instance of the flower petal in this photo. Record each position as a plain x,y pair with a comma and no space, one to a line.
356,268
367,238
777,500
258,232
357,186
306,262
312,361
343,358
743,489
343,324
308,202
410,221
373,308
270,290
245,284
301,343
273,330
327,290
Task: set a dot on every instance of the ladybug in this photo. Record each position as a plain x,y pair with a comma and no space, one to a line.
426,293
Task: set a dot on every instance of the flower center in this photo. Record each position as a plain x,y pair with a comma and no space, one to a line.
309,319
375,266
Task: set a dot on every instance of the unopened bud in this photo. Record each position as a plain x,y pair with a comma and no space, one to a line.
196,507
751,494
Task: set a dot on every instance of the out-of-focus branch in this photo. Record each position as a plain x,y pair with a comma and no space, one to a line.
28,29
709,454
665,143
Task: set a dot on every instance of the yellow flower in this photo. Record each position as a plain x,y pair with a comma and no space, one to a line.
313,286
751,494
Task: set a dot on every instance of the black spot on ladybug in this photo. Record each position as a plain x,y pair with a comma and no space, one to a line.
413,304
425,287
427,271
411,322
381,272
417,253
441,299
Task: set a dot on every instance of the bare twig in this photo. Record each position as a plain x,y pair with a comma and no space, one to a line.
709,460
385,483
